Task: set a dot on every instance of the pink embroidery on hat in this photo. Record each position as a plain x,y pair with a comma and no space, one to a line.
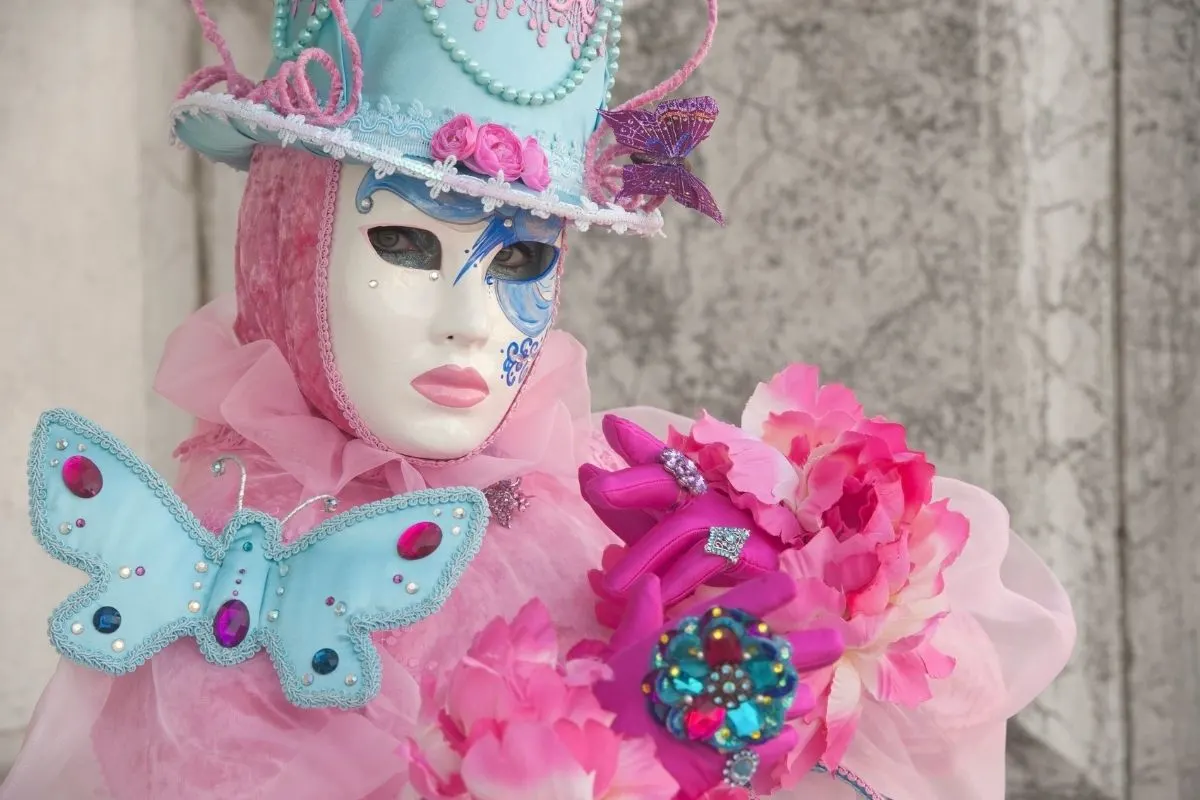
483,10
576,16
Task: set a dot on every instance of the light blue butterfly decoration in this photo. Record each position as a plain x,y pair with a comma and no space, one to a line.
156,575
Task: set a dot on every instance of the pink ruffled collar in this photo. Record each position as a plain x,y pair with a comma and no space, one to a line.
245,396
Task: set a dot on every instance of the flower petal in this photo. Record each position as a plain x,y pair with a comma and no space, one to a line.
529,761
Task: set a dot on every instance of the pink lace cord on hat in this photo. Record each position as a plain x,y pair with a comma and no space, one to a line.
290,91
601,170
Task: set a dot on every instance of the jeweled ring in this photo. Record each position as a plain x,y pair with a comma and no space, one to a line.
727,543
684,470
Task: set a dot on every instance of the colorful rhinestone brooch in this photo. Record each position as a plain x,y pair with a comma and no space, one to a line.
724,681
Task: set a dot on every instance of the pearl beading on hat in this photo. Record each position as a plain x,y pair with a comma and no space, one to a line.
283,50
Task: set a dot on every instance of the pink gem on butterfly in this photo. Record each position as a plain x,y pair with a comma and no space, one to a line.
661,140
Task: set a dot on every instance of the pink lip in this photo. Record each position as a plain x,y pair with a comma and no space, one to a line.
452,387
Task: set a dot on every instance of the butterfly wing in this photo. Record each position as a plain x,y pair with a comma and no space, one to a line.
672,129
380,566
96,506
662,180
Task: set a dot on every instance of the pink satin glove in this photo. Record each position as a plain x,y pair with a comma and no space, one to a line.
643,656
665,526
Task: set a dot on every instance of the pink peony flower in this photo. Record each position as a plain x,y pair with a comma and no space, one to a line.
535,169
513,719
497,150
456,139
868,545
756,477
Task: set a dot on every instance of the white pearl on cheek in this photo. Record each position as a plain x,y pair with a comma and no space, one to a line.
435,276
373,284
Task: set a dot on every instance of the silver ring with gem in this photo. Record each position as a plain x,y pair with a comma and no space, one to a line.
684,471
727,543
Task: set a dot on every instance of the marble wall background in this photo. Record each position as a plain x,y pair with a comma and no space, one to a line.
976,212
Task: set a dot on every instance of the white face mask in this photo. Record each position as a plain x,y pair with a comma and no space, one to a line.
434,322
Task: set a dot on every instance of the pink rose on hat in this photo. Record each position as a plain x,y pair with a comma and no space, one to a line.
456,139
492,149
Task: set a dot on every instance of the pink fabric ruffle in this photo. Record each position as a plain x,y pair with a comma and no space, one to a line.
1010,631
179,727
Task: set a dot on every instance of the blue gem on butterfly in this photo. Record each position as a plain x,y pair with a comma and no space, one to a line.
324,661
725,681
106,619
243,590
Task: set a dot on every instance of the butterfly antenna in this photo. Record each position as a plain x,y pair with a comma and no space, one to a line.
218,469
331,504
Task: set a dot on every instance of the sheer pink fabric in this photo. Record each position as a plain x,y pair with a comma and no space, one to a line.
1011,631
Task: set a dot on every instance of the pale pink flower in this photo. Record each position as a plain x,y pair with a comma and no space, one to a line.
456,139
756,477
514,719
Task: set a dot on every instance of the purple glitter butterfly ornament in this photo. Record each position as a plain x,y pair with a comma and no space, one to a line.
661,139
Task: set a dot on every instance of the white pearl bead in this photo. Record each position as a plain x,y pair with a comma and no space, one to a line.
118,645
194,607
411,588
351,680
197,585
456,530
61,444
272,615
65,528
76,628
459,513
201,566
124,572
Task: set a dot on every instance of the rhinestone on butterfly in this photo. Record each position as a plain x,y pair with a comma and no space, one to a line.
724,681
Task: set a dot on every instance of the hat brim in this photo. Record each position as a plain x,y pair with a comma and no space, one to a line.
227,129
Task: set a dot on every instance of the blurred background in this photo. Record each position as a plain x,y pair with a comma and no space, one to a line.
978,213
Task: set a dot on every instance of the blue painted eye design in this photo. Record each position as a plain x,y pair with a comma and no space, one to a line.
522,261
414,248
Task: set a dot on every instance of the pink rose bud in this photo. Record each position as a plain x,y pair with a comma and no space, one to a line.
535,169
455,139
497,150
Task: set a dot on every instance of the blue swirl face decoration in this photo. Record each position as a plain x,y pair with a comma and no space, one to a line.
436,310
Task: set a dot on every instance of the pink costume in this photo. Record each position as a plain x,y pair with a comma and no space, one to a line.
474,707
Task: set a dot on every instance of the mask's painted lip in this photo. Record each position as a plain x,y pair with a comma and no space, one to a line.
452,387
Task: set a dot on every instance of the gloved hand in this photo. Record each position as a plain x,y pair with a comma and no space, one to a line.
667,528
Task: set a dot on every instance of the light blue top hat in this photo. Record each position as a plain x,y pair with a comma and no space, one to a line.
536,73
